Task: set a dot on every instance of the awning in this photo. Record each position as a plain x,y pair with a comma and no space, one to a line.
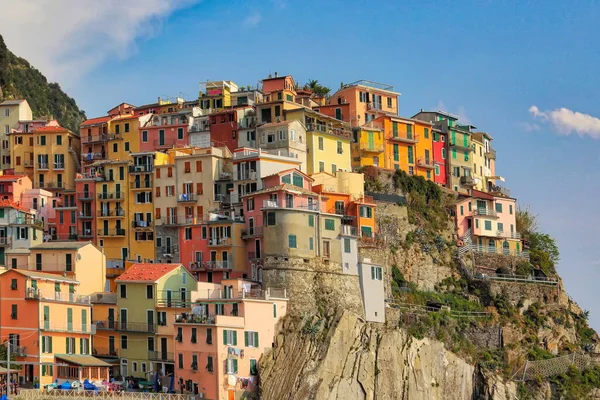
82,360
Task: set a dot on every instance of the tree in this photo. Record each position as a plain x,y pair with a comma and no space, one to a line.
317,88
547,244
527,222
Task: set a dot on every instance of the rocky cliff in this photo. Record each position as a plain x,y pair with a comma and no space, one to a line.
488,334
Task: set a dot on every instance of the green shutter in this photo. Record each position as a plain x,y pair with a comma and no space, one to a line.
465,141
43,370
311,220
311,244
51,370
453,139
274,310
396,153
426,133
43,344
84,320
410,155
69,319
453,153
67,345
1,212
80,345
225,336
286,179
256,339
395,128
235,370
234,338
371,140
246,338
50,345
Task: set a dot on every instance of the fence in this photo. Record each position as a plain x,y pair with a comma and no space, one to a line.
517,279
554,366
412,308
33,394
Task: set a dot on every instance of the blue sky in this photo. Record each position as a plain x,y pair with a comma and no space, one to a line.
488,61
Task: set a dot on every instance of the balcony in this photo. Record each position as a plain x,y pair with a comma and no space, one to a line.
258,294
111,196
59,165
29,164
467,181
5,241
491,153
462,146
328,129
168,249
348,230
108,325
20,351
374,106
119,212
186,198
97,138
106,352
111,232
252,232
484,212
166,142
85,234
42,166
219,242
85,196
253,256
376,149
141,224
141,327
425,163
104,298
404,137
141,169
69,327
112,272
143,185
32,293
63,236
499,250
211,266
52,185
29,221
85,215
295,205
91,157
499,190
160,356
171,299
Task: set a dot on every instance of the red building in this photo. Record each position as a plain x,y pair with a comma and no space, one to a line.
165,131
224,129
440,154
13,186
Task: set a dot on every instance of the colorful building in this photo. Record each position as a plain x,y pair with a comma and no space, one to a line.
48,322
368,146
19,230
367,100
218,345
105,342
11,112
440,157
491,222
13,187
285,138
138,292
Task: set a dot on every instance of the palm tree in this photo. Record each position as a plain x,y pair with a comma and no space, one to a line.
317,88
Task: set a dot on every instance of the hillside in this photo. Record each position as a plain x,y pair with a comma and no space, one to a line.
18,79
502,335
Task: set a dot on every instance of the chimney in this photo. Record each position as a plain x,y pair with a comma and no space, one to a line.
276,74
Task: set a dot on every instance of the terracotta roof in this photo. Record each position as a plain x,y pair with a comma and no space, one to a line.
94,121
11,177
284,187
285,171
12,204
481,195
44,275
48,128
60,245
147,272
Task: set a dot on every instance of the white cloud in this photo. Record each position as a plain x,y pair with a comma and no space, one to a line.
252,19
567,122
529,127
64,39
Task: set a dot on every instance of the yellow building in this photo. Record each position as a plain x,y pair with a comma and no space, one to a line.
215,95
368,148
56,158
105,343
11,112
327,141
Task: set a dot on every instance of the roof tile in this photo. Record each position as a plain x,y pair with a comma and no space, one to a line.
147,272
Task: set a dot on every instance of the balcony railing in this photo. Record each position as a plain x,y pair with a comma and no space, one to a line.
496,189
111,232
376,149
5,241
250,232
186,198
173,300
43,166
111,196
28,221
85,234
105,352
119,212
404,137
82,196
168,249
37,294
105,325
105,298
97,138
259,294
328,129
141,224
348,230
425,163
140,185
485,212
160,356
143,327
133,169
499,250
167,142
491,153
85,215
69,327
214,242
63,236
467,180
52,185
462,146
296,205
18,350
211,266
90,157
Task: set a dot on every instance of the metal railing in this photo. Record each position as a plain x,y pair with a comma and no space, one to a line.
297,205
500,190
186,197
141,224
467,180
30,220
111,196
119,212
105,352
140,168
258,294
97,138
140,185
404,137
69,327
143,327
211,265
160,356
105,298
253,231
37,294
316,127
111,232
348,230
485,212
76,394
109,325
494,250
425,162
167,142
219,241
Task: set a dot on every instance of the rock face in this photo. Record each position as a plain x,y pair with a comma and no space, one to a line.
351,359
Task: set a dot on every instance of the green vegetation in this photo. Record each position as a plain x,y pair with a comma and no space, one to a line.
18,79
543,250
576,384
317,88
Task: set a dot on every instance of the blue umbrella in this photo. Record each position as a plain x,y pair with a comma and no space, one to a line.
156,381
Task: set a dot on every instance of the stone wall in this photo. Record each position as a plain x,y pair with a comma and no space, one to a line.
313,285
496,261
164,232
526,292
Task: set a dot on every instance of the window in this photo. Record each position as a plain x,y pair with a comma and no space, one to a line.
115,147
462,210
443,153
7,112
134,364
437,170
70,345
329,224
127,149
426,133
144,136
510,209
271,218
321,143
500,227
292,242
251,339
209,336
123,291
333,169
376,273
151,343
347,248
180,361
250,204
498,207
84,346
43,140
59,140
188,233
476,220
180,133
14,311
229,337
209,364
13,284
454,153
194,365
149,291
311,220
340,149
488,225
194,339
365,212
396,152
311,243
179,336
321,166
389,102
46,344
410,155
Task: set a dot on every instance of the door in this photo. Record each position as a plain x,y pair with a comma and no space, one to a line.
111,318
105,227
163,349
168,245
161,137
46,317
371,141
150,320
257,248
481,206
183,297
427,157
123,319
225,258
251,226
117,191
169,298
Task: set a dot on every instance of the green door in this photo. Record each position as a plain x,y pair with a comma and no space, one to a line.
395,129
69,319
371,141
46,317
84,320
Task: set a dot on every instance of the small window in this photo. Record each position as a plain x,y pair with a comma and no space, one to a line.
13,283
488,225
251,339
321,146
149,291
14,312
347,247
376,273
311,220
123,291
498,207
144,136
292,242
329,224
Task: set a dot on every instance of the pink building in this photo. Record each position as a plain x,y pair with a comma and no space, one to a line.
165,131
12,187
218,345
